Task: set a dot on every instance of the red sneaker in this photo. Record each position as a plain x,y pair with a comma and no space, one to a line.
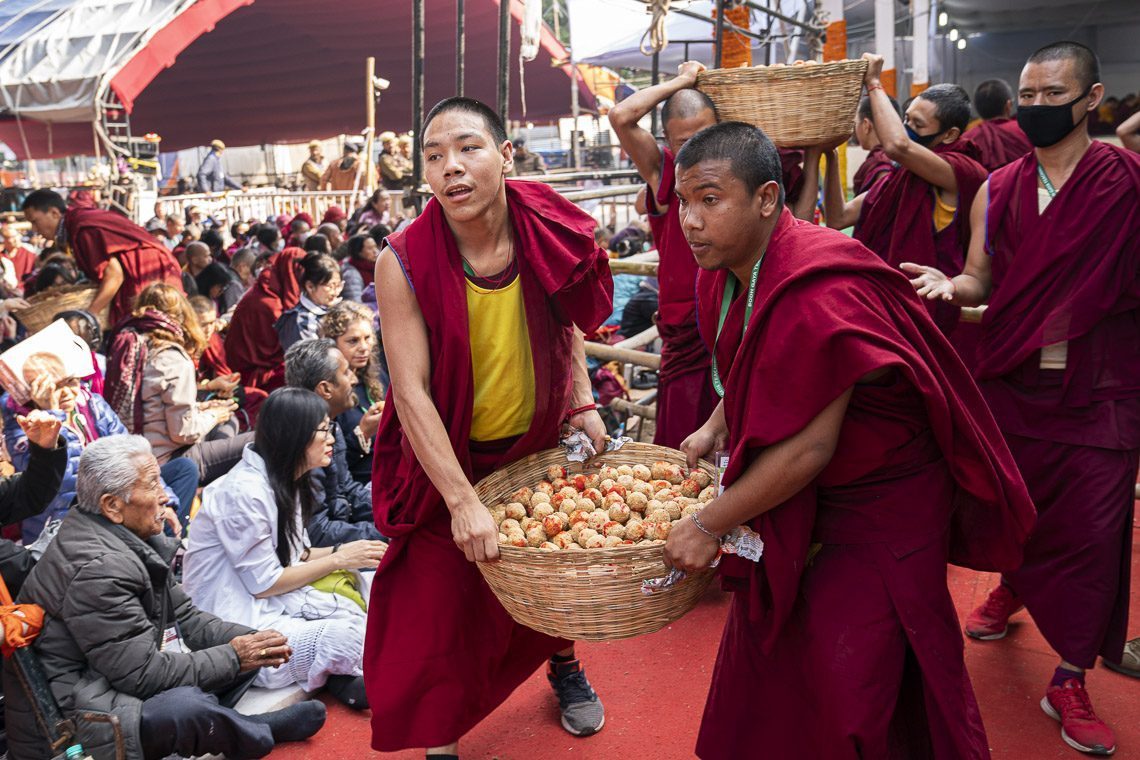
991,620
1080,728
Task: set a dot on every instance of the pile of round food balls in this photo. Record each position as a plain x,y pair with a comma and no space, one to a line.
615,506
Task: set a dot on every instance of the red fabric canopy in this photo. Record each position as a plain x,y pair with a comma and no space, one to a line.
273,71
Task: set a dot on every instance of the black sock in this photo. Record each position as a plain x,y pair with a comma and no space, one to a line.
559,659
443,757
349,690
294,723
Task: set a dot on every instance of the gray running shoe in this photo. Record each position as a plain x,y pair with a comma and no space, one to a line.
582,711
1129,664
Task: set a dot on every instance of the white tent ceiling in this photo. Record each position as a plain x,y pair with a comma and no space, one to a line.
56,55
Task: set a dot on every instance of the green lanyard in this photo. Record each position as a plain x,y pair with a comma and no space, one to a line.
1045,181
725,305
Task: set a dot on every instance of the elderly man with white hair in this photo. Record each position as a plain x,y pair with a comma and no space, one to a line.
121,637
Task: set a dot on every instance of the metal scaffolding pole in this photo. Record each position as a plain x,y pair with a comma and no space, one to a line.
718,51
460,46
417,94
504,56
656,80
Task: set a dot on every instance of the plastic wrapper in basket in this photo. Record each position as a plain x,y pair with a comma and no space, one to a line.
590,595
796,106
45,305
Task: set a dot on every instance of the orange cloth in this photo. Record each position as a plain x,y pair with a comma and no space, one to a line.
22,622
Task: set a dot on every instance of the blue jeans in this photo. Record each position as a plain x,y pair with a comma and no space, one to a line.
181,475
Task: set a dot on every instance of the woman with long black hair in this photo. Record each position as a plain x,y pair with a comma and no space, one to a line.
249,559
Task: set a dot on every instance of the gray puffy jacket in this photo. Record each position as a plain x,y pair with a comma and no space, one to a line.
108,597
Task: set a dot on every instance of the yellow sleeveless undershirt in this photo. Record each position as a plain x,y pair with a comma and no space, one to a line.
501,362
943,212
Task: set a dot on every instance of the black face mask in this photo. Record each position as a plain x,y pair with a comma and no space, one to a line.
1049,125
923,140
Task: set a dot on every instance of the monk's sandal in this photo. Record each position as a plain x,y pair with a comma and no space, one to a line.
582,711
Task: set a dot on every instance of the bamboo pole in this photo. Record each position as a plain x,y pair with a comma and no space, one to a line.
643,268
629,407
613,353
370,118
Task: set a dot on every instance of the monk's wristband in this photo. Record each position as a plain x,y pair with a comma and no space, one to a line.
701,527
874,87
579,410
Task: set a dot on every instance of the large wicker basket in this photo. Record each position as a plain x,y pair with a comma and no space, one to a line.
590,595
45,305
796,106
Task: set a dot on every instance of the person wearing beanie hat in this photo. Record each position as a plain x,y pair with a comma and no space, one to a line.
394,170
313,167
211,176
345,173
335,215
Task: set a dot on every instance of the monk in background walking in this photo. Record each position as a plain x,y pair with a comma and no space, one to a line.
1056,255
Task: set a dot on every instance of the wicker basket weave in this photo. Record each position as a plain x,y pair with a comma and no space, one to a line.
795,105
45,305
589,595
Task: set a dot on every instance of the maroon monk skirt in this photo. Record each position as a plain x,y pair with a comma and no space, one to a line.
870,664
1077,570
447,653
684,402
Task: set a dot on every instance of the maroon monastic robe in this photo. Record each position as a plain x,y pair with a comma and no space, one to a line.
897,222
214,363
252,346
875,167
95,236
999,142
1071,274
685,395
857,654
441,653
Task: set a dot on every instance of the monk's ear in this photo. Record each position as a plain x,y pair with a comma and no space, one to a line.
952,134
767,198
507,149
1096,95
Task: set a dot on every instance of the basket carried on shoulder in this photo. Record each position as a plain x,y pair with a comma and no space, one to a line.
796,106
590,595
45,305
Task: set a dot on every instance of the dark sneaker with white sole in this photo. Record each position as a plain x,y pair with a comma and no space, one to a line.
582,711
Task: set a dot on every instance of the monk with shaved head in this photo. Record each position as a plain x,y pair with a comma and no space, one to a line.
998,137
685,393
1055,254
483,303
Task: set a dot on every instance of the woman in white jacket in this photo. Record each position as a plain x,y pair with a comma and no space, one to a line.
249,559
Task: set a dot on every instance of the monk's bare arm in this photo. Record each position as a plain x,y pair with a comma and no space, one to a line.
1129,132
638,142
804,207
838,212
409,365
582,395
710,438
973,286
109,286
777,474
899,147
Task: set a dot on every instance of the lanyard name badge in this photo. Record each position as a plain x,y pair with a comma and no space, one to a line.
725,305
721,457
1041,175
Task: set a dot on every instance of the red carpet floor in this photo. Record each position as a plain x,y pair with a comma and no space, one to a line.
654,690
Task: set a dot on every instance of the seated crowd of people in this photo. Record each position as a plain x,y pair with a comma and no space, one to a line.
195,517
